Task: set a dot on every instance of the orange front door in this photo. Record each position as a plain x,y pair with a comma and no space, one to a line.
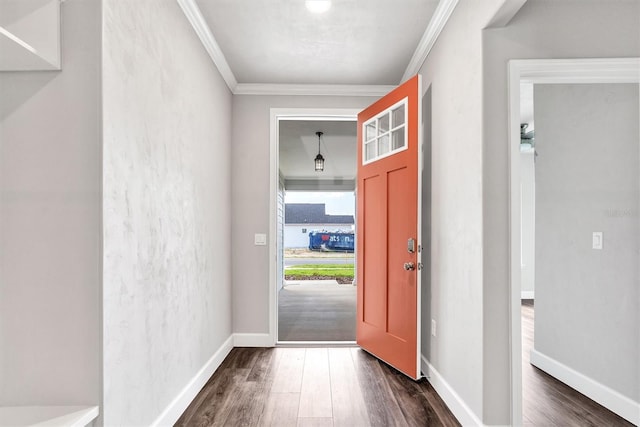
388,312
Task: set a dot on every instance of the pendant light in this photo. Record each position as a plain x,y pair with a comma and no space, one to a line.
319,159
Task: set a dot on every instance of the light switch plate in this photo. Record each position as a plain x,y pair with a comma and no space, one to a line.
597,240
260,239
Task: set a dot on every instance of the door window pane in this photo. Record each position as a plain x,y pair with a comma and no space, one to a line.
383,124
371,131
383,145
398,139
398,116
370,151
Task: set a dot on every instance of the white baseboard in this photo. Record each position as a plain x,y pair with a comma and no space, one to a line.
170,415
610,399
458,407
253,340
527,294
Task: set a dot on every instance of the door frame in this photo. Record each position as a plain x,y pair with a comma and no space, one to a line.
542,71
277,114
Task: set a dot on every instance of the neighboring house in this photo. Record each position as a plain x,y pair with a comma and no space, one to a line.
302,218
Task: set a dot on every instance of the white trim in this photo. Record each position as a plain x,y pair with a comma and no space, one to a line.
48,416
182,400
277,114
505,13
610,399
527,295
548,71
596,70
311,90
436,25
193,14
454,402
418,237
253,340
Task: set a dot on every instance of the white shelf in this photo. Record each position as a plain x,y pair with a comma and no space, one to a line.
47,416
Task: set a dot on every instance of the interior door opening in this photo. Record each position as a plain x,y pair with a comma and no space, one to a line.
315,287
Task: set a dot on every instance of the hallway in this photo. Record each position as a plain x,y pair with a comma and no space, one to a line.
313,387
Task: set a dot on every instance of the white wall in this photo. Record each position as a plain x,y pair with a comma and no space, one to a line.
50,222
167,130
528,223
453,71
250,177
588,179
542,29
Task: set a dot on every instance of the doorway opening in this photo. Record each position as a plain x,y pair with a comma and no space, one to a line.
317,301
582,108
314,294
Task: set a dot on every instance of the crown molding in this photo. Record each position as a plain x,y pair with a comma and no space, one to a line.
194,15
312,90
438,21
578,70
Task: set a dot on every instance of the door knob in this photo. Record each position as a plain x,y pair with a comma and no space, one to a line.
409,266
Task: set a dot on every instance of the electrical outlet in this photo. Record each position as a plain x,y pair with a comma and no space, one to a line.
433,327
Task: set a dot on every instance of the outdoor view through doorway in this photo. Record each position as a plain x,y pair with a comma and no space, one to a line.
317,302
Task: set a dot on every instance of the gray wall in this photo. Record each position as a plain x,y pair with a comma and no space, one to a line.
250,191
454,75
588,179
50,222
167,135
542,29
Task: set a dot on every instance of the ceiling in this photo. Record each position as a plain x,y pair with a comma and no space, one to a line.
356,42
357,47
298,145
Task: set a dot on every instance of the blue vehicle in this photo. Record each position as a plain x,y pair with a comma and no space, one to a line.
331,241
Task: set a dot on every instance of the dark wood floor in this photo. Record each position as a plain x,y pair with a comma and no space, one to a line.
547,401
313,387
348,387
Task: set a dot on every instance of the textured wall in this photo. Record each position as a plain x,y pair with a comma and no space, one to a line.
167,297
542,29
50,213
588,179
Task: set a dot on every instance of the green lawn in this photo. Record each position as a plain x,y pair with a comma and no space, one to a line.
314,270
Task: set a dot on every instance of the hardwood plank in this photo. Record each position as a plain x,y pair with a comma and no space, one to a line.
415,408
288,376
348,404
382,406
263,368
245,357
281,410
444,415
315,422
215,410
211,396
252,395
315,394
